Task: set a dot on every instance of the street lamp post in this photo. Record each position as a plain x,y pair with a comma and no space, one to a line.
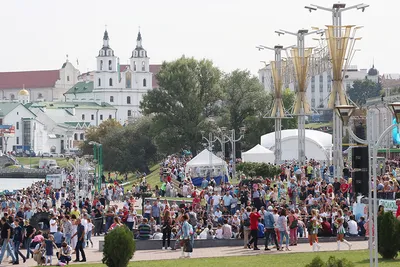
233,140
301,58
345,112
336,11
98,156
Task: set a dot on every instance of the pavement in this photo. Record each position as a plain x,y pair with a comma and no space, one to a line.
94,256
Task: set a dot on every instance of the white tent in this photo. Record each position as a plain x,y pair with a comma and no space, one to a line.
205,162
259,154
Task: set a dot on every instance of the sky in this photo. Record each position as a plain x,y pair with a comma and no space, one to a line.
38,34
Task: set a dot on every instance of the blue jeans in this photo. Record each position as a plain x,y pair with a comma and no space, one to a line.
68,238
284,234
27,246
6,246
16,250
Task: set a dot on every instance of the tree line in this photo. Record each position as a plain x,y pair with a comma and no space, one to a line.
193,96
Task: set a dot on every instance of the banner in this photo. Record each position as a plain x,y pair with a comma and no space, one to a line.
388,204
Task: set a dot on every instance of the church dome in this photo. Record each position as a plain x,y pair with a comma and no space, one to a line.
372,71
23,92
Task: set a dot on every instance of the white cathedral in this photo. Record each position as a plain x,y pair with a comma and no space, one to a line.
121,86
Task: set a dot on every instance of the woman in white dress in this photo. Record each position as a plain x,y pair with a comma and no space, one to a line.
74,240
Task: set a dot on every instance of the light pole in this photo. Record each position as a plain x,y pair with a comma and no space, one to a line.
278,111
301,57
233,140
336,10
98,155
373,142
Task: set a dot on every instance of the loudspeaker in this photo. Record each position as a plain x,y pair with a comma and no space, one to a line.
360,170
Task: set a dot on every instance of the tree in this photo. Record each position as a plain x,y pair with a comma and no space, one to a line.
131,148
97,133
119,247
362,90
388,235
188,93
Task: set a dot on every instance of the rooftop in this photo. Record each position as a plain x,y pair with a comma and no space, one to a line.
70,105
81,87
29,79
7,107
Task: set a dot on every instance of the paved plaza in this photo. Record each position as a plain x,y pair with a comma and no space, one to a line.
94,256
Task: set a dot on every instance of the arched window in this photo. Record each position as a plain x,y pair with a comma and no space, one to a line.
134,65
67,78
99,82
101,64
82,136
129,113
40,95
12,97
111,99
110,82
144,83
143,66
128,99
76,136
109,65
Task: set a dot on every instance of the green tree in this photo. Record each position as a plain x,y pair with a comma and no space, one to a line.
130,148
188,93
388,235
97,133
362,90
119,247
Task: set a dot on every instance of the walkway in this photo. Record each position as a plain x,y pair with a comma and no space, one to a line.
93,255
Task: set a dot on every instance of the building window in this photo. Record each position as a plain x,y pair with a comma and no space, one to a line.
329,78
92,117
144,83
40,95
128,99
101,117
17,125
312,88
111,99
109,117
134,65
12,97
109,65
313,79
128,80
129,113
143,66
110,82
99,82
17,140
67,78
82,137
321,88
262,79
329,88
83,116
75,136
321,78
101,64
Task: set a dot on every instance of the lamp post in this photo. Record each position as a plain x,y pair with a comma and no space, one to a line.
98,156
233,140
301,57
336,10
373,142
278,111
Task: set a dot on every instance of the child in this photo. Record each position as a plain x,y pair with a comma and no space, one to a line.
49,245
90,227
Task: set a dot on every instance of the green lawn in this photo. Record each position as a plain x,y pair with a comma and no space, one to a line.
34,161
359,257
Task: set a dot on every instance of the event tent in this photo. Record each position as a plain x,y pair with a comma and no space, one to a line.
318,144
206,164
258,154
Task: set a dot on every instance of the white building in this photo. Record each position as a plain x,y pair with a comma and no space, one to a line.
48,85
320,84
121,86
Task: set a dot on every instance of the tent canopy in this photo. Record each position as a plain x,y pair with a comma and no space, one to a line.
259,154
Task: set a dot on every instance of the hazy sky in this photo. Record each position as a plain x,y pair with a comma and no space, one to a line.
37,34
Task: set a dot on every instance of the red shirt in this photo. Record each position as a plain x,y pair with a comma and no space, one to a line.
344,188
254,216
398,211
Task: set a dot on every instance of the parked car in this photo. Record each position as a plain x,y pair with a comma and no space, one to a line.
46,155
54,155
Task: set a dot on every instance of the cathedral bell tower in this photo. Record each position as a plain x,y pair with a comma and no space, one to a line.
106,65
140,66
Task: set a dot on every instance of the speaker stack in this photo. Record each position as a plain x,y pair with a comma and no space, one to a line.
360,164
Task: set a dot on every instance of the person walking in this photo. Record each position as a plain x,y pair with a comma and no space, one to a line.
186,233
29,232
315,224
293,224
269,228
341,231
17,240
246,225
5,236
80,233
283,229
254,217
166,230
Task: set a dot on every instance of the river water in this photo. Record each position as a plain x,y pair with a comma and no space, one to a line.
11,184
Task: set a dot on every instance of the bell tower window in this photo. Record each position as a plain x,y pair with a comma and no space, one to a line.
101,64
99,82
111,99
128,99
134,65
109,65
143,66
144,83
110,82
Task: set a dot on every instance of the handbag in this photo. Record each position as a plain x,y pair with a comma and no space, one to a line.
188,246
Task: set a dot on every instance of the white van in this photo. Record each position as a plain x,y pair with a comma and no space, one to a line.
47,163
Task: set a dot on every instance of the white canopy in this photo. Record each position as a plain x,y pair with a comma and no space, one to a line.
258,154
205,162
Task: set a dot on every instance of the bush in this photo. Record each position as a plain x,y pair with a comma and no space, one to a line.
119,247
258,169
332,262
388,233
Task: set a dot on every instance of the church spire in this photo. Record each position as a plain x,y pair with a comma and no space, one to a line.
139,40
106,39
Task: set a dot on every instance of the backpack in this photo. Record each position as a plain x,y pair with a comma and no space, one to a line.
345,224
294,224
